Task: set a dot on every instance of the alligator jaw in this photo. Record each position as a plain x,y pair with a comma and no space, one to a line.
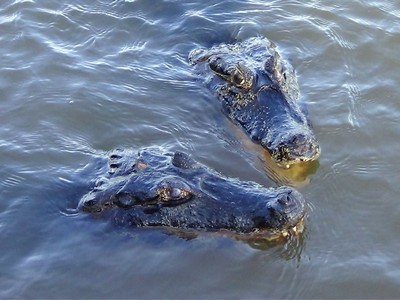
276,235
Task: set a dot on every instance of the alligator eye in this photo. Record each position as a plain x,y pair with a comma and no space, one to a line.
173,195
241,76
124,200
176,193
217,65
237,78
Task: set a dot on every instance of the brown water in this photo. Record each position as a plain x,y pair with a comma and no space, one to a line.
79,79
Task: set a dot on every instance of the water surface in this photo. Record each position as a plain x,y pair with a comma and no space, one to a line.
79,79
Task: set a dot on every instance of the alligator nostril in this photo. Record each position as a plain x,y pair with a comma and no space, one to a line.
285,200
298,139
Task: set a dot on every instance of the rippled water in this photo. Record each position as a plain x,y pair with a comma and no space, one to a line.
79,79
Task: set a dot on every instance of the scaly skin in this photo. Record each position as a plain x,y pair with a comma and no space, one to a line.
155,189
259,91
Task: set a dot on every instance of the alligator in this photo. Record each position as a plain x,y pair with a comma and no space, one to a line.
258,91
152,188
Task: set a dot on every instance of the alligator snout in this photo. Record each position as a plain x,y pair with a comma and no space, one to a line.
286,200
291,200
295,148
287,210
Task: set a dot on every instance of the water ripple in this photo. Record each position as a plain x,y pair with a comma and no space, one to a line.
80,78
13,180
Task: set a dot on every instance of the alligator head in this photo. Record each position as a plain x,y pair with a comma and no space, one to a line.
156,189
258,90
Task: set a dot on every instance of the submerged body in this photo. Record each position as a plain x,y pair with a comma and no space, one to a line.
150,188
259,91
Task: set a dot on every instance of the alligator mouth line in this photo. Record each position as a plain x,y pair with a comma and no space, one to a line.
274,235
261,235
288,164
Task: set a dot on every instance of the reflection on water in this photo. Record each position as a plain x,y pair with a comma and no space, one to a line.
291,248
296,175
